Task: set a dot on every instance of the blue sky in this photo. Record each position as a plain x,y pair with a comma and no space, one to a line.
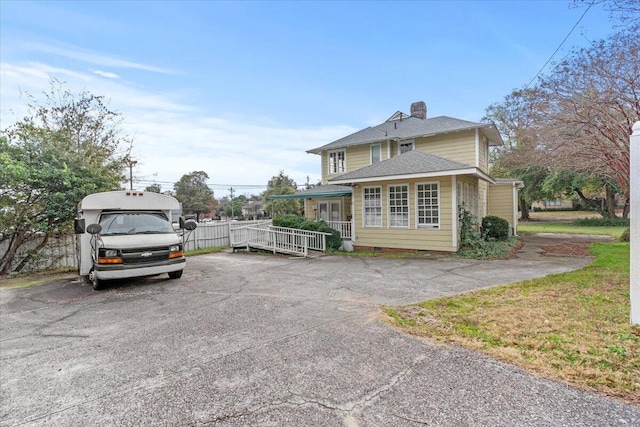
242,89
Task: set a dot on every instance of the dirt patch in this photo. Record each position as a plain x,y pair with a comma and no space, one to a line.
567,249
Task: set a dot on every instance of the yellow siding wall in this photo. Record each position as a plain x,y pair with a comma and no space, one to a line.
500,202
411,238
356,158
458,146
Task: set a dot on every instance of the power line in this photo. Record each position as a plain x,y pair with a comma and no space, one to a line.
556,51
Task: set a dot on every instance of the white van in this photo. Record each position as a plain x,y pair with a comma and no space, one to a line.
123,234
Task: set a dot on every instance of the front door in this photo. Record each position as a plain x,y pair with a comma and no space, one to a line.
329,211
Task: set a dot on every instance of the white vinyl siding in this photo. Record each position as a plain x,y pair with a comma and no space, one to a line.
428,205
337,161
372,207
399,206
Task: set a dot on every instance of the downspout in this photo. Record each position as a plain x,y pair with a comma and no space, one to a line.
454,210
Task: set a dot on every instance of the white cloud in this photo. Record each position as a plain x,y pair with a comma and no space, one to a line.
172,138
72,52
105,74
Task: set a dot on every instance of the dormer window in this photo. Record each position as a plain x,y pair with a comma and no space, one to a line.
405,146
337,161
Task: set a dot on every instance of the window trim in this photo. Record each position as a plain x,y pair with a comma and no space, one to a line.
344,163
364,216
408,187
435,226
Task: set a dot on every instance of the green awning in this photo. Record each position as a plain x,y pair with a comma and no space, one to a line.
310,195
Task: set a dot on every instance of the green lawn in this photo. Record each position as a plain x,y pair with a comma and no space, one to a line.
572,327
563,227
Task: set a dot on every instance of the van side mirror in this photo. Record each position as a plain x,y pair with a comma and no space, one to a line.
94,228
78,225
190,225
181,222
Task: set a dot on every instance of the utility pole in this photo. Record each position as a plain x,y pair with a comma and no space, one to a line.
132,163
231,192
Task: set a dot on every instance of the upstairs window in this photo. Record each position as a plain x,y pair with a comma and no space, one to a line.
403,147
337,161
376,153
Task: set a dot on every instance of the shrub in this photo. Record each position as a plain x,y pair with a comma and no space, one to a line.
495,227
626,235
602,222
288,221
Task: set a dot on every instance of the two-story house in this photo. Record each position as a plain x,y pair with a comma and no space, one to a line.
400,183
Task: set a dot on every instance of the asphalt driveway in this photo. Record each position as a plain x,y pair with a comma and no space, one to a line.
261,340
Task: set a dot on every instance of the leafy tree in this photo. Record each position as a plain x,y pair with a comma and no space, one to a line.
154,188
68,146
194,193
281,184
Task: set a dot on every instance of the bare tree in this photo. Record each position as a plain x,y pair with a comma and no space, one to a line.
586,106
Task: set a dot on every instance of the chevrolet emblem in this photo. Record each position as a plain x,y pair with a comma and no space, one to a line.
146,254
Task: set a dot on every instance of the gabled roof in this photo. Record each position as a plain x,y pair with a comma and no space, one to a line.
412,164
397,128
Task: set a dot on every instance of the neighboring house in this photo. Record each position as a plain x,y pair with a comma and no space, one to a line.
400,183
252,210
550,205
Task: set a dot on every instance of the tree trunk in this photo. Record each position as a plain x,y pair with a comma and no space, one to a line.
31,253
8,257
524,210
610,198
625,211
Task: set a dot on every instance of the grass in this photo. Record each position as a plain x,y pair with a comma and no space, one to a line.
568,228
204,251
572,327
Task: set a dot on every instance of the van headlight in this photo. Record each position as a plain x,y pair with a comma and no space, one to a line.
111,253
175,251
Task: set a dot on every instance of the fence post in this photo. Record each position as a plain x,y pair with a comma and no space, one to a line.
634,236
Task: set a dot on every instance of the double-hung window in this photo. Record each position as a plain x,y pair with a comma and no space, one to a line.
428,205
376,153
399,206
403,147
372,207
337,161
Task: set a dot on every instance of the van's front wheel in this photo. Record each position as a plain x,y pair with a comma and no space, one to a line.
175,274
93,278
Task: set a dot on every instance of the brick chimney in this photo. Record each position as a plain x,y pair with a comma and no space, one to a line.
419,110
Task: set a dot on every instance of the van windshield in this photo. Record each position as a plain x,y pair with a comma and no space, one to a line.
114,223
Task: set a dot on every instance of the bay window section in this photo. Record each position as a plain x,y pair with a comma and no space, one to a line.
372,207
399,206
428,205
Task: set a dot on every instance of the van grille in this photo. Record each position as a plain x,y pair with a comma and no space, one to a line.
145,255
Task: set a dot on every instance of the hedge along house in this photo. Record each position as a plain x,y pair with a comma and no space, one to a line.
399,184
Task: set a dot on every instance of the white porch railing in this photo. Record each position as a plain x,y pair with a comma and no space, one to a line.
344,227
279,239
316,241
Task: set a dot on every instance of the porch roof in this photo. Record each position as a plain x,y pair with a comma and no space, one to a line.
316,192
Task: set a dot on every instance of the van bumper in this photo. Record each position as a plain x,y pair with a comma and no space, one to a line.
120,271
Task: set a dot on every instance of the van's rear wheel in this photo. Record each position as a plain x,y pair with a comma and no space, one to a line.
175,274
93,278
